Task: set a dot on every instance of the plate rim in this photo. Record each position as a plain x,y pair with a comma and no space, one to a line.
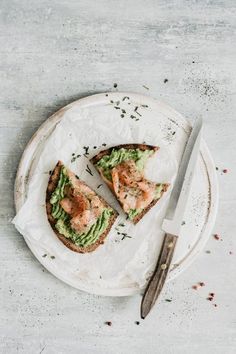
26,161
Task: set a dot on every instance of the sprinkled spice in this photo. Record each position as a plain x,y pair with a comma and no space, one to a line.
77,176
230,252
125,98
173,133
216,237
217,168
202,284
106,94
122,115
115,85
99,185
168,300
121,224
183,223
108,323
210,298
132,116
111,101
144,105
116,107
95,147
194,287
123,111
104,144
44,255
86,149
147,88
225,170
208,251
212,294
165,81
137,323
215,305
125,236
53,257
88,169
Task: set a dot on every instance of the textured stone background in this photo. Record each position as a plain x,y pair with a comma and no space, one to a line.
52,52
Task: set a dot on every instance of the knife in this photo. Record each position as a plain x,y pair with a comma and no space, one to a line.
173,218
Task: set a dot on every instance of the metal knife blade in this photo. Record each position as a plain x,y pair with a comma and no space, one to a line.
174,217
180,192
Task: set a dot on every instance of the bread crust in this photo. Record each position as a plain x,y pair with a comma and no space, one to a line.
52,184
142,147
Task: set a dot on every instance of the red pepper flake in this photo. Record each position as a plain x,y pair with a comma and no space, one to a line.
217,237
194,287
109,323
212,294
210,298
225,170
202,284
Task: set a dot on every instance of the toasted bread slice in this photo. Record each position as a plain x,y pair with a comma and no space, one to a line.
52,185
110,182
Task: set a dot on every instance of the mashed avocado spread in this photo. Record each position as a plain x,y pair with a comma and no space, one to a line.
134,212
107,162
63,219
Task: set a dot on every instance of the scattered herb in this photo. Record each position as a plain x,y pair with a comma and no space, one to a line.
183,223
111,101
165,81
44,255
52,257
108,323
99,185
122,115
77,176
104,144
168,300
147,88
125,98
173,133
144,105
73,154
125,236
132,116
116,107
86,149
88,169
121,224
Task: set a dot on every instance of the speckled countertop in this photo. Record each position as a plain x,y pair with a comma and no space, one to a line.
54,52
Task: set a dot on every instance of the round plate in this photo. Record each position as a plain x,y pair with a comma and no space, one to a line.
172,131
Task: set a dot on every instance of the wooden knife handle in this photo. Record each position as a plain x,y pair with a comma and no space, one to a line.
158,278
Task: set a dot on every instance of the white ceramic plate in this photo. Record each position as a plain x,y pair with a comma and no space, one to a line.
161,125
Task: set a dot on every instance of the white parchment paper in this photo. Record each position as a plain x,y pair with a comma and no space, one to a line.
118,262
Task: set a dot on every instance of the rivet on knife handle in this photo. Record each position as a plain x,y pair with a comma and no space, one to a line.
157,280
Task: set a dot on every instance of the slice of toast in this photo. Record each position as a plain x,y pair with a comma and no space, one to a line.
52,185
164,186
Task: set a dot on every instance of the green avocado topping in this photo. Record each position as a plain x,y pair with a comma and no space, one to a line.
134,212
63,219
107,162
87,238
